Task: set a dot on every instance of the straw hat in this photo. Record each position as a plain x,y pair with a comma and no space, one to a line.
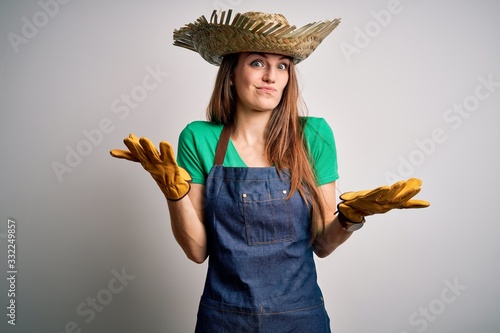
251,32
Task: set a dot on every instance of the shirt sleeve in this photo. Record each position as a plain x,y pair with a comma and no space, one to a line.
187,156
322,149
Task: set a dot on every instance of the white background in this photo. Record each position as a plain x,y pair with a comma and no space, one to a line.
389,87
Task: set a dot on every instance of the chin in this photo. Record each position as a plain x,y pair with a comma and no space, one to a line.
267,106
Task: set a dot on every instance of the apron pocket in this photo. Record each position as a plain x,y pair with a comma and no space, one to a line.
267,217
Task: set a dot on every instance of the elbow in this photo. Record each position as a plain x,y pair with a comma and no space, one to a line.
323,249
322,253
198,258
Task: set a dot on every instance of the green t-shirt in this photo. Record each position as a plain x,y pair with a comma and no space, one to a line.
198,141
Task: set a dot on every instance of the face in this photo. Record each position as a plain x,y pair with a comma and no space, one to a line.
259,80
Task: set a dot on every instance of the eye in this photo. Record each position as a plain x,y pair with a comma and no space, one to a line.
257,63
283,66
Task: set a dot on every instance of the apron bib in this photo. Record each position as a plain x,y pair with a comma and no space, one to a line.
261,273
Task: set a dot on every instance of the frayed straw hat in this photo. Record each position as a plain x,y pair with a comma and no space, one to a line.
251,32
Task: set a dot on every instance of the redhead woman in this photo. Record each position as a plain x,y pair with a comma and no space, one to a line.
253,187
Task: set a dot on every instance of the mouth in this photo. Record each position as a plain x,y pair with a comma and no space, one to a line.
266,89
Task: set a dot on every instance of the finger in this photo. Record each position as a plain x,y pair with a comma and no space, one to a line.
150,150
368,207
167,153
394,191
415,204
406,195
377,195
133,137
411,188
353,195
414,182
125,154
132,143
372,194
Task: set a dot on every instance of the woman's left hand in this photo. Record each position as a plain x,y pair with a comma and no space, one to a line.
356,205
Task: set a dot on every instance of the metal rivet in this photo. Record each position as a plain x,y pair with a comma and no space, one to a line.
284,191
244,195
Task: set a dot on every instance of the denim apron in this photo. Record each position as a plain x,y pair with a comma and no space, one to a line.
261,273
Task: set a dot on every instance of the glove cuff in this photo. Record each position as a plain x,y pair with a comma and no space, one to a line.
347,224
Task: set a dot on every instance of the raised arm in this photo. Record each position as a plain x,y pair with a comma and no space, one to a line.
185,200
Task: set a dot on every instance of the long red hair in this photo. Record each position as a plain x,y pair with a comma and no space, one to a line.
284,136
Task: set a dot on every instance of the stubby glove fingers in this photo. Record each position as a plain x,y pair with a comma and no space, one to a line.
167,156
370,195
382,199
396,194
163,174
150,150
394,190
143,150
404,197
346,196
413,182
167,153
133,144
356,205
172,179
369,207
410,189
415,203
124,154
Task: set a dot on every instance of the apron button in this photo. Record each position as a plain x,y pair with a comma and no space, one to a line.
284,191
244,195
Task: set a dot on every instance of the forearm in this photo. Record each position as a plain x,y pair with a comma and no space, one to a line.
333,236
188,229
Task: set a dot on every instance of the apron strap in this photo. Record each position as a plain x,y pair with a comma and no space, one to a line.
220,152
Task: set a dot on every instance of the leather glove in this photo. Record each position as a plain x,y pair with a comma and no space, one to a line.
356,205
172,179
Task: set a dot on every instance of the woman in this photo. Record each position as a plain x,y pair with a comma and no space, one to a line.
258,197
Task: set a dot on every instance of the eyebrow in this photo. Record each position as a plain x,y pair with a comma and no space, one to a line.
265,55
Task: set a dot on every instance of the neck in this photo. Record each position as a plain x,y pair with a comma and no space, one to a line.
250,129
249,141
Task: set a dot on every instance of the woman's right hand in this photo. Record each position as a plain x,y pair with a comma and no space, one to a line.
172,179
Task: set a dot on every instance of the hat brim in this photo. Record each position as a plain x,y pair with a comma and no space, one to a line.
217,38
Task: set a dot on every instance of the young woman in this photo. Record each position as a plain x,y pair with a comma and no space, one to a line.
258,198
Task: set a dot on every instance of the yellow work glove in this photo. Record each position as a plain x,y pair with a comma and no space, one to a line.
172,179
356,205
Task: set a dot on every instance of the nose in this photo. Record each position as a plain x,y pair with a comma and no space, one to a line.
270,75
